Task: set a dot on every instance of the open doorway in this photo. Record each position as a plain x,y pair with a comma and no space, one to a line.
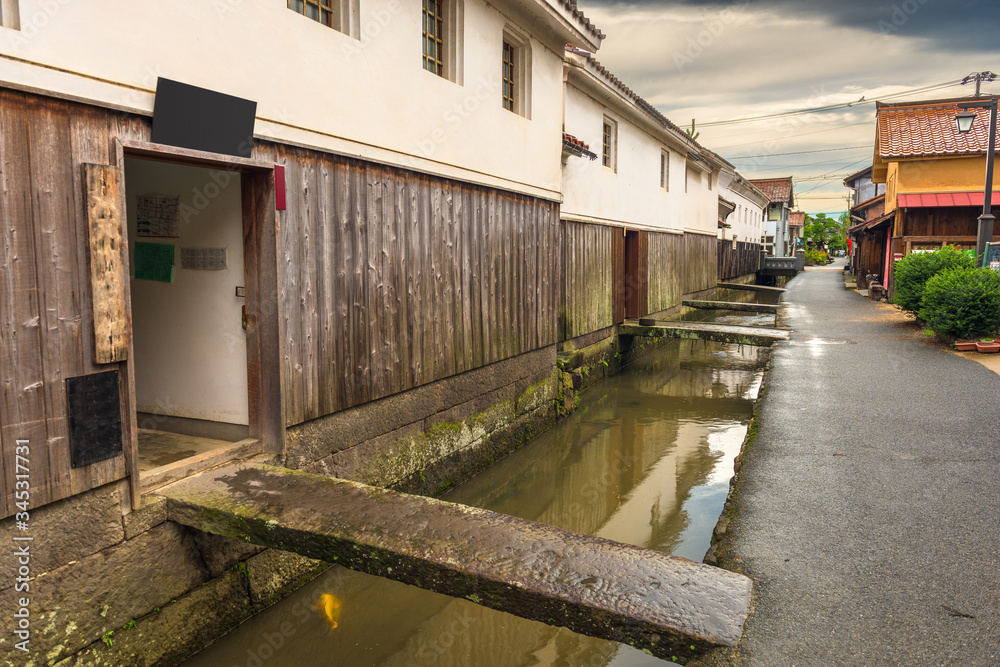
187,284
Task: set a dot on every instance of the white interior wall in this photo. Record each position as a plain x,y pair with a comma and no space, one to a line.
189,344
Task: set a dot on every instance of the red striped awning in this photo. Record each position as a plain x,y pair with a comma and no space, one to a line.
926,199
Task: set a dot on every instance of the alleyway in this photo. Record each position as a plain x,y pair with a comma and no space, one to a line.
868,513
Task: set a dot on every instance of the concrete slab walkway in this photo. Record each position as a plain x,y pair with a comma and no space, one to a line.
868,507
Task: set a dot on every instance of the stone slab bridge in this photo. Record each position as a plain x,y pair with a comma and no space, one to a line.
720,333
666,605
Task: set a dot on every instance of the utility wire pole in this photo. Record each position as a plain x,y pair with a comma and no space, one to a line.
979,77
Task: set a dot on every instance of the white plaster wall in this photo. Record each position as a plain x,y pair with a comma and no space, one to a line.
189,343
747,221
631,195
367,97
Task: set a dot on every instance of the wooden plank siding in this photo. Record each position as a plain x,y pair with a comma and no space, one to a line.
700,263
666,267
589,281
739,260
392,279
46,321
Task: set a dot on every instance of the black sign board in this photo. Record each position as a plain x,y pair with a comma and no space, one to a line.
205,120
95,420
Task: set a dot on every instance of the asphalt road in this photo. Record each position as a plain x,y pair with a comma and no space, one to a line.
867,511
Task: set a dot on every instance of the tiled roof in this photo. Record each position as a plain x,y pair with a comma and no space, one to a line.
577,147
776,189
797,219
928,128
584,21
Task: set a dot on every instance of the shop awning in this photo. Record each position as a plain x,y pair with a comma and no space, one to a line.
928,199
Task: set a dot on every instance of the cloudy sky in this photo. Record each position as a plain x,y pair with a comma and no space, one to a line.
715,61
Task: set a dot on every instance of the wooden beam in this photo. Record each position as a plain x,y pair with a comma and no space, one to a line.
107,270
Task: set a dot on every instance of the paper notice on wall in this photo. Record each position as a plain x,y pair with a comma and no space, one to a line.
154,261
158,215
204,259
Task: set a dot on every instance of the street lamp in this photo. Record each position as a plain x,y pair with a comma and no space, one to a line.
964,123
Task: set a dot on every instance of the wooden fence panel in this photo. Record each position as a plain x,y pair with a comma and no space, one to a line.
664,270
46,326
407,279
700,262
737,261
588,277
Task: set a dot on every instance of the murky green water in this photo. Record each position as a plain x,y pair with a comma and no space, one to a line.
646,459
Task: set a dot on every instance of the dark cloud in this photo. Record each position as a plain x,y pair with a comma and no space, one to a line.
965,25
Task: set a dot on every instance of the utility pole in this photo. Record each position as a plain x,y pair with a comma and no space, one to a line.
979,77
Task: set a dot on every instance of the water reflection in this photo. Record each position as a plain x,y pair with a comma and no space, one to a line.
646,459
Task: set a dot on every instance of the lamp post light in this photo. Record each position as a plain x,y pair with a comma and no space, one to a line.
964,122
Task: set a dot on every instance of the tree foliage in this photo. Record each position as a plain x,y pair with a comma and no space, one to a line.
824,233
914,270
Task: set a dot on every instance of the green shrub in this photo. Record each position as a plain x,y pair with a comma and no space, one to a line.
914,270
817,257
962,302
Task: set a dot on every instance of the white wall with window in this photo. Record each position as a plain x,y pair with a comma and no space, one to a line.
748,222
638,178
341,75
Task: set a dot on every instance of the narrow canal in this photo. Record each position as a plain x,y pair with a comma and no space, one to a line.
646,459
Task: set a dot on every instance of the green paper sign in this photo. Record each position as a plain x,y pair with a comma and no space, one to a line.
154,261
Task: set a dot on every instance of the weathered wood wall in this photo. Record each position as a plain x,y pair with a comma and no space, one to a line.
393,279
666,268
46,316
589,279
741,260
700,262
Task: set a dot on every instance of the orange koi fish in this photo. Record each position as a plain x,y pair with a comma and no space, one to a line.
329,607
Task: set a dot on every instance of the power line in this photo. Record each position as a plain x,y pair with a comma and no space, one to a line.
818,150
794,136
830,107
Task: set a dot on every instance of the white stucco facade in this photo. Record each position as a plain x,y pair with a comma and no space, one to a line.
747,221
629,192
364,94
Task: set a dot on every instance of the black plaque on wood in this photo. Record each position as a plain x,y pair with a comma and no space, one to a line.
95,421
205,120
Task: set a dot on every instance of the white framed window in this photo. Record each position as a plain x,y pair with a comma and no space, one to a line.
9,15
442,35
665,170
515,73
341,15
609,144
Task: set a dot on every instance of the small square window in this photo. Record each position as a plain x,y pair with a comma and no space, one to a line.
610,144
665,170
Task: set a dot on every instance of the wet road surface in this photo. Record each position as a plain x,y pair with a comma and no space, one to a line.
868,509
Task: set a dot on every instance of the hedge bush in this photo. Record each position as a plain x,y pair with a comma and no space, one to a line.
962,302
914,270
